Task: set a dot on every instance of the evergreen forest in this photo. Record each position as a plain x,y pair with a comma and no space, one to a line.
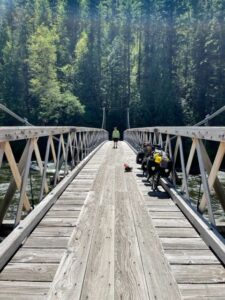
62,61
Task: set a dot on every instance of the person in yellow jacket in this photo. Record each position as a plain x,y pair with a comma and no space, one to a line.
115,137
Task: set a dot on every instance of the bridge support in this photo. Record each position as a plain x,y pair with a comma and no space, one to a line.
103,118
128,118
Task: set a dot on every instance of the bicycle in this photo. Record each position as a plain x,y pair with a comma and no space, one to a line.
156,170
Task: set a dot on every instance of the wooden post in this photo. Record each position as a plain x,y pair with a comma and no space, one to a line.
56,177
16,180
76,148
213,176
2,150
190,160
183,168
217,185
45,169
53,150
39,162
205,182
24,181
174,160
67,154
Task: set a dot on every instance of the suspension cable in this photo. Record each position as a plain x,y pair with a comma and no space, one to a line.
14,115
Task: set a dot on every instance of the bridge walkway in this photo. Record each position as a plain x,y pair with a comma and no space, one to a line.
109,237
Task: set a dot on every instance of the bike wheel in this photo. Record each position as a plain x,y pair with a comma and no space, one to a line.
155,182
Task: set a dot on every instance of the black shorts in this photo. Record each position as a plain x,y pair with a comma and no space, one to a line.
115,140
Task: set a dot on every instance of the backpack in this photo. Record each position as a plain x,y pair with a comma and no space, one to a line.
140,157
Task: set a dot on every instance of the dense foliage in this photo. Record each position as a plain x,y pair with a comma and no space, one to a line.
61,61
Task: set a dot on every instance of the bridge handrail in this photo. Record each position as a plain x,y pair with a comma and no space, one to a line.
203,133
67,147
21,132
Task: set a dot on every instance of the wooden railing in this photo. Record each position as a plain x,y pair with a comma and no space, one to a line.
65,146
182,144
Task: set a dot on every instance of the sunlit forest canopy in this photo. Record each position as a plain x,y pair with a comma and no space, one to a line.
61,62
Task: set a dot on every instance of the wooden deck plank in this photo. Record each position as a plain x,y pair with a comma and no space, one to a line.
77,189
68,281
71,201
158,202
73,195
34,255
202,291
162,208
191,257
183,223
46,242
166,215
23,290
180,232
155,265
183,243
129,273
52,231
63,214
99,278
86,176
58,222
61,207
21,296
194,274
29,272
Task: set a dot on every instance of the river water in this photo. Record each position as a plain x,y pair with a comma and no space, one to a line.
196,191
33,187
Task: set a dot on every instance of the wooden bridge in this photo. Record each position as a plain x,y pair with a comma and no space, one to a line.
101,233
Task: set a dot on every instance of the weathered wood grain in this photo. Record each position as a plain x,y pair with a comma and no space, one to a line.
183,243
61,207
74,195
158,202
182,223
202,291
10,290
63,214
191,257
29,272
156,267
58,222
129,274
71,201
166,215
162,208
46,242
68,281
52,231
34,255
199,274
99,278
174,232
